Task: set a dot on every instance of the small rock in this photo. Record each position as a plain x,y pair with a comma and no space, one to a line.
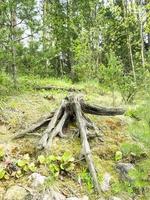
17,193
105,186
124,169
50,194
37,180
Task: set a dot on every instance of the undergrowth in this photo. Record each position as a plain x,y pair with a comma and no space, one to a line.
137,152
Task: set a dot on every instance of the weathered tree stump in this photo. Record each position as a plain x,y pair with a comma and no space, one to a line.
72,108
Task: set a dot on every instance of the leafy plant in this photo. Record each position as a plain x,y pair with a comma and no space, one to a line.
32,167
118,155
41,159
2,172
25,164
67,162
57,164
2,153
86,179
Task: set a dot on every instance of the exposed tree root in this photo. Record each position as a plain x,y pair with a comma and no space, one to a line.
97,110
73,108
82,124
35,126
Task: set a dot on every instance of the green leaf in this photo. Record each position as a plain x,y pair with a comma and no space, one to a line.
67,157
26,168
2,172
50,159
54,169
70,167
32,167
2,153
21,163
41,159
118,155
6,177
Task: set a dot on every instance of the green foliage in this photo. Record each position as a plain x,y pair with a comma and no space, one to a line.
2,172
118,187
41,159
86,179
57,164
2,153
25,164
132,148
140,175
139,130
67,162
118,155
112,72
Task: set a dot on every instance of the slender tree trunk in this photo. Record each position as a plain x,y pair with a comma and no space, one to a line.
148,35
13,39
46,62
69,64
141,36
147,21
125,14
131,58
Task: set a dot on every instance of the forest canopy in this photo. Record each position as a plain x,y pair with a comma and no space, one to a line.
108,41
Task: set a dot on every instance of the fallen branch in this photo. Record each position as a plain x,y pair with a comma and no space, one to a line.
51,87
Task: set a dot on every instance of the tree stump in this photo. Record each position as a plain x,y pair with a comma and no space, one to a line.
72,108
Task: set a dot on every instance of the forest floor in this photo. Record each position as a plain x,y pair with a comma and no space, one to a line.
18,111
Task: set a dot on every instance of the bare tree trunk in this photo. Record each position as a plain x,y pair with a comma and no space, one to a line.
125,7
141,35
131,58
13,38
147,21
148,35
45,35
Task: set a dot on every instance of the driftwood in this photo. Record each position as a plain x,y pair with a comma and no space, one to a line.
73,108
52,87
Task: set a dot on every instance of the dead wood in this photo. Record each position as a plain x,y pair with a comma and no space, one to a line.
51,87
43,143
73,108
35,126
82,124
97,110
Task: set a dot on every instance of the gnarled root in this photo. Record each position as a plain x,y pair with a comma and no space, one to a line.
82,124
73,108
35,126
